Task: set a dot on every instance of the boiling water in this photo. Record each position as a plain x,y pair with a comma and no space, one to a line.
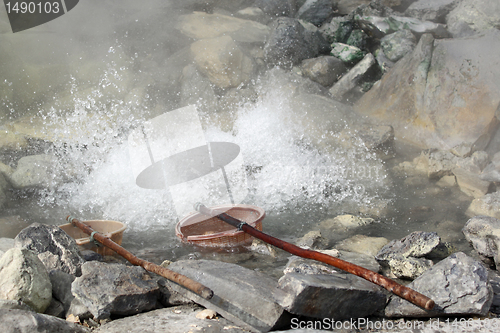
297,184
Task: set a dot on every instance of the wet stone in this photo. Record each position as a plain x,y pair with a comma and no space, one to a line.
14,321
363,244
410,256
471,183
488,205
458,285
346,222
483,232
289,43
325,69
36,171
398,44
347,53
381,26
353,78
55,248
115,289
316,11
431,10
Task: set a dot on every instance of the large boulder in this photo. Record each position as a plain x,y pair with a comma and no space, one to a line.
55,248
450,91
290,42
431,10
24,278
222,61
115,289
200,25
483,232
458,285
243,296
473,16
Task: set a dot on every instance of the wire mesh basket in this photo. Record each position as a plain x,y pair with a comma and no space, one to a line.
205,231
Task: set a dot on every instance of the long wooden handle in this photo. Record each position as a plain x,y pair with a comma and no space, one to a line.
180,279
396,288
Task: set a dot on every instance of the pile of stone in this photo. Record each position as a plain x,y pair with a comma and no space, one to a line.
49,285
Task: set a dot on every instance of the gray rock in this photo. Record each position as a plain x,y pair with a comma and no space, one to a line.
491,172
197,89
179,319
363,244
15,321
115,289
436,163
437,106
222,61
348,82
61,287
346,221
312,239
474,163
316,11
325,69
289,43
471,183
347,53
36,171
473,16
24,278
410,256
431,10
483,232
7,304
55,248
458,285
201,25
243,296
381,26
376,136
55,309
488,205
494,278
383,62
462,150
277,7
398,44
337,30
336,295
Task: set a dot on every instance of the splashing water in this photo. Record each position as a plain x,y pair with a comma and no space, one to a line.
284,172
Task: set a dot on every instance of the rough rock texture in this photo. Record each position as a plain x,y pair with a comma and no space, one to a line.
20,321
431,10
325,69
200,25
363,244
348,82
61,288
36,171
380,26
55,248
449,93
346,222
409,257
336,295
458,285
488,205
483,232
179,319
243,296
24,278
316,11
277,7
471,183
222,61
398,44
107,289
473,16
289,43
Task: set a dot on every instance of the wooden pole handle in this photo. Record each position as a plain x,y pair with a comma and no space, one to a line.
180,279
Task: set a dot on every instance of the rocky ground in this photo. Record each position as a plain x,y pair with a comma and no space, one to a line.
423,72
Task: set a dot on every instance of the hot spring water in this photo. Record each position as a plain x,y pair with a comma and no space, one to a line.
296,183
